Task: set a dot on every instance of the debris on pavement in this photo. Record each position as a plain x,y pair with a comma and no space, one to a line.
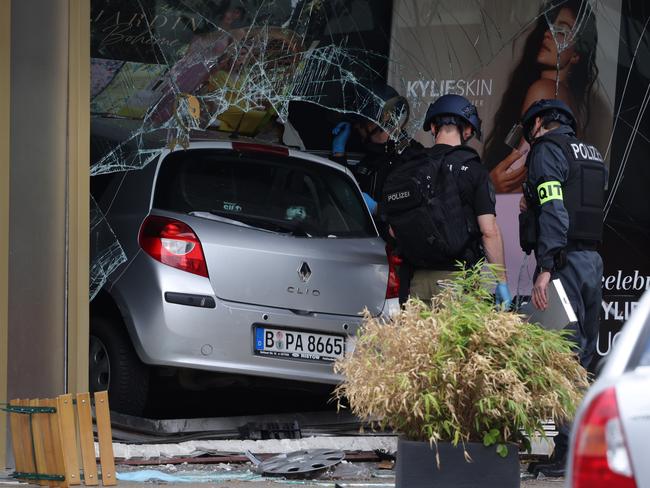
298,463
343,475
213,476
341,472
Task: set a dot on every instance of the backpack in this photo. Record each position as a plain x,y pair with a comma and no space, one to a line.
422,203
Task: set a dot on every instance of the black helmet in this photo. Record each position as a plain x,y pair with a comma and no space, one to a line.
375,102
372,102
382,104
453,105
556,109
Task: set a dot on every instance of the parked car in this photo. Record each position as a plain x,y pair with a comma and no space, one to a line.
611,432
243,259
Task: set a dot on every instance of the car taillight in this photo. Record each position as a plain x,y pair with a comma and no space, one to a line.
600,456
173,243
392,289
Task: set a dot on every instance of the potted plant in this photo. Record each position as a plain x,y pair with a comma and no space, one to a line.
464,383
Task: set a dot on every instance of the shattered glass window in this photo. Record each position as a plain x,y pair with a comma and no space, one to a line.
288,71
107,253
165,70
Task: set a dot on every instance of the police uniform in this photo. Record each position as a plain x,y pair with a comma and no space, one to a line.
565,188
566,179
478,198
371,171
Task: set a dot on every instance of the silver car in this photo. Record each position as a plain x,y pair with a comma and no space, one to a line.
611,433
243,258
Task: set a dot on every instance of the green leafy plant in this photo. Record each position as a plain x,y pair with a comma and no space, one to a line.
461,370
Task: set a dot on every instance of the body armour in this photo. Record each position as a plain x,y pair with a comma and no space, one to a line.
583,192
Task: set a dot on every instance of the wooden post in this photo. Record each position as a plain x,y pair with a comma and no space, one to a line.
68,435
49,449
26,440
105,436
38,438
17,439
57,458
86,439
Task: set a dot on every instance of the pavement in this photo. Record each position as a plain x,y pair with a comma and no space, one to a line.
241,475
220,464
207,461
550,483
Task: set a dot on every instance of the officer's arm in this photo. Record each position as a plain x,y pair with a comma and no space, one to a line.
492,242
547,172
484,209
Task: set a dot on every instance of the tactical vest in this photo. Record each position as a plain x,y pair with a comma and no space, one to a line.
584,190
423,204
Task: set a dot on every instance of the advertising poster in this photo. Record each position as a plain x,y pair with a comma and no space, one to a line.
503,56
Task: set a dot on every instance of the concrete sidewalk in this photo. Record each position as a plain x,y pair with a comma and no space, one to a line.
242,475
550,483
386,480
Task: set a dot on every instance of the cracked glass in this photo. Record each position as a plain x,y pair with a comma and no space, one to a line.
288,71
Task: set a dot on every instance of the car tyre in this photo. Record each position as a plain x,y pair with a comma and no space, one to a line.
115,366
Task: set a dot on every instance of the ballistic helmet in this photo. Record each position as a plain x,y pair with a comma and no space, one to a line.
551,110
382,104
448,109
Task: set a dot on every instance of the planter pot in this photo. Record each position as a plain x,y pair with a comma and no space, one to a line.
417,468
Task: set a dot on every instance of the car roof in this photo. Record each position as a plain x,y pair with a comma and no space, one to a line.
228,145
132,135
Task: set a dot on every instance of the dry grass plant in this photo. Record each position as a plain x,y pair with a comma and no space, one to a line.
460,370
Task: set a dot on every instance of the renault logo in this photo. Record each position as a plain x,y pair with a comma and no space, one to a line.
304,272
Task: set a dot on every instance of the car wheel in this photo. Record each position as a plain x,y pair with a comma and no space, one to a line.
115,366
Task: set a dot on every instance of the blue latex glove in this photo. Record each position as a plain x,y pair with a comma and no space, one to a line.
503,297
341,133
372,205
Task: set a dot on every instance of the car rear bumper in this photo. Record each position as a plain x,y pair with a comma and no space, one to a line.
222,339
219,339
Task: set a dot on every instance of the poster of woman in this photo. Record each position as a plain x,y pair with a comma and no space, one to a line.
558,61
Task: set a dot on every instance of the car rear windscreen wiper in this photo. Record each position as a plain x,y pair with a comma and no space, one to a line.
218,217
275,225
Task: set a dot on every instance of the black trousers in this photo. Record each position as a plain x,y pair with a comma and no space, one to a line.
582,281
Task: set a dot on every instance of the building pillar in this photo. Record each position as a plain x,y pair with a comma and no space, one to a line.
5,98
48,198
78,195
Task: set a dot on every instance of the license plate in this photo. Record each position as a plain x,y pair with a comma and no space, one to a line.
291,344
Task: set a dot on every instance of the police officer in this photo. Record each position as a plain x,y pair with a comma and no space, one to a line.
383,108
564,193
453,121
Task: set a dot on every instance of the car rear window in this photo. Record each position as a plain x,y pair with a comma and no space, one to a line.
263,190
